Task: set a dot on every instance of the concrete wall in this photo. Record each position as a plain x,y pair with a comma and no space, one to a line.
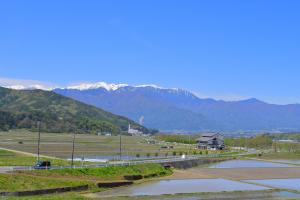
185,164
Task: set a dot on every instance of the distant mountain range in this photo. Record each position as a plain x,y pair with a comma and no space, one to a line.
57,113
181,110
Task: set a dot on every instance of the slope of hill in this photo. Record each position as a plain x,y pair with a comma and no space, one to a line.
176,109
23,108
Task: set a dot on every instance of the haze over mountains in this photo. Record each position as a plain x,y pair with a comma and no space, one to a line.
181,110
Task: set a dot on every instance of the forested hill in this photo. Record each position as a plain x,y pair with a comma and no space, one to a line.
22,109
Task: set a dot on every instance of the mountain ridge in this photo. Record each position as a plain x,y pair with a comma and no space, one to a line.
22,108
174,109
113,86
182,110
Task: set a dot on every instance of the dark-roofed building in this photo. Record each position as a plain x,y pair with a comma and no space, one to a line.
214,141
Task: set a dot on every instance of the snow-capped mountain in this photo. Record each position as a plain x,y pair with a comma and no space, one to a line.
29,87
19,84
177,109
108,86
90,86
181,110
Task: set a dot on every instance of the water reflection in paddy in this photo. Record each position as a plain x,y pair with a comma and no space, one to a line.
291,184
266,195
297,162
183,186
247,164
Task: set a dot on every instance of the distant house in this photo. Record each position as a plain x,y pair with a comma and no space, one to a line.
214,141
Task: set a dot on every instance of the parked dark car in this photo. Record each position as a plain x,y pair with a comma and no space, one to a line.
42,165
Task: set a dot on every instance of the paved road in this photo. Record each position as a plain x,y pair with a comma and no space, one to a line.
5,169
124,163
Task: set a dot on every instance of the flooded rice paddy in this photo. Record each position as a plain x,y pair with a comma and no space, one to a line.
190,187
265,195
164,187
290,184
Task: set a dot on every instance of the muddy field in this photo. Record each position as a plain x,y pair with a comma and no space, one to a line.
237,174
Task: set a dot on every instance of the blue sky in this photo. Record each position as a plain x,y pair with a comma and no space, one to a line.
222,49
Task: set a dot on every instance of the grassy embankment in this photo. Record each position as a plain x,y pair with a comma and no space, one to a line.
19,182
113,173
45,179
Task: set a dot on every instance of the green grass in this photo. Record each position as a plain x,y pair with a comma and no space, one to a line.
281,156
45,179
8,158
4,153
107,173
19,182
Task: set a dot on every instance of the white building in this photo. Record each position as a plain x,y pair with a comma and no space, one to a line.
134,131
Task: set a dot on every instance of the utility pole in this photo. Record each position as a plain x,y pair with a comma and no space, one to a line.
189,144
120,146
73,148
39,140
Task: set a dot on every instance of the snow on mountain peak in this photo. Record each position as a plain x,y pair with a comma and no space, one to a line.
20,84
114,87
88,86
150,85
29,87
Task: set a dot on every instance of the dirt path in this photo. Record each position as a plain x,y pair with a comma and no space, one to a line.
27,153
237,174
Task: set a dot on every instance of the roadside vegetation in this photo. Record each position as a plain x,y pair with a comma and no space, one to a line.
56,178
111,173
